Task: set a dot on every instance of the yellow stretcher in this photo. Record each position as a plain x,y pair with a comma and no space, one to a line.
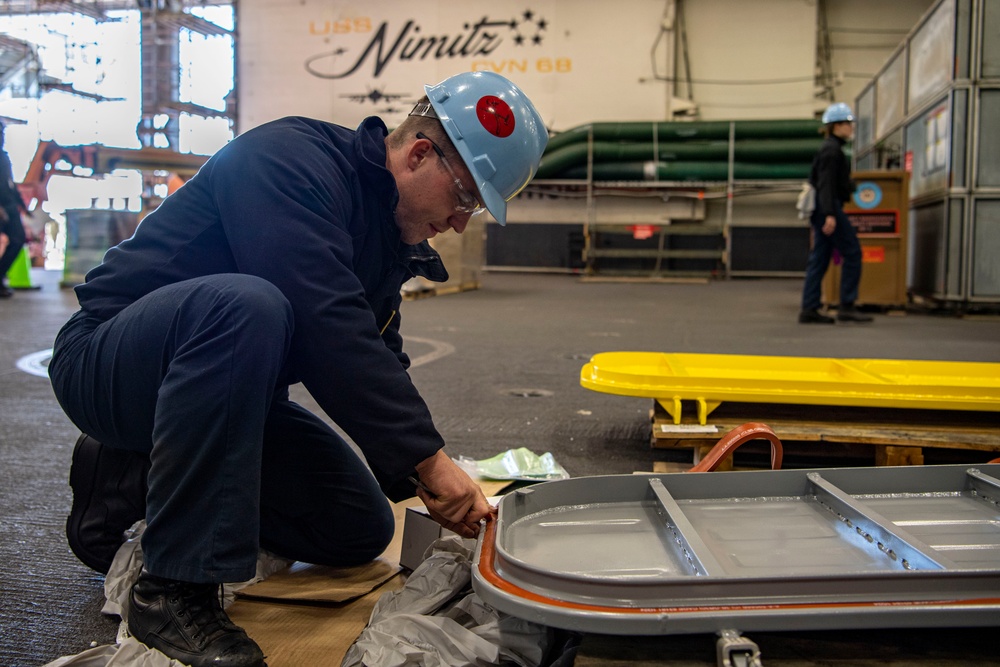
710,379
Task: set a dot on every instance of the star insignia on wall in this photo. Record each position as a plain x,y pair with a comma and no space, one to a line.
529,28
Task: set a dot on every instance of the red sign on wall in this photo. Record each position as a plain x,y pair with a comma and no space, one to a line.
873,254
640,232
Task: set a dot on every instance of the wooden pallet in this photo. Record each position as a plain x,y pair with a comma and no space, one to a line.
892,436
412,295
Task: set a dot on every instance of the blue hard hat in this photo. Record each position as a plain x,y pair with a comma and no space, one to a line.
838,113
497,131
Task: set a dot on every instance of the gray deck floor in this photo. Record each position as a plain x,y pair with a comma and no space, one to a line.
499,367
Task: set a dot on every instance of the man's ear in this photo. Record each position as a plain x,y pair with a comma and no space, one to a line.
418,153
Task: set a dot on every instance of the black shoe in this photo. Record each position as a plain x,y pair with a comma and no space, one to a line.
6,292
187,623
852,315
109,495
814,317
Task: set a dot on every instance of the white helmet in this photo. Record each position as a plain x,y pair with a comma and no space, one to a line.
495,128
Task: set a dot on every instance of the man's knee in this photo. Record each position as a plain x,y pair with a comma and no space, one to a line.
851,254
242,304
254,297
371,537
353,537
372,541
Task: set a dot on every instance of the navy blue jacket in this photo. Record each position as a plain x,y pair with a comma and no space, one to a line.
310,207
831,176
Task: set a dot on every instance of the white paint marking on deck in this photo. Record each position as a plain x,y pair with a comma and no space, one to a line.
440,350
36,363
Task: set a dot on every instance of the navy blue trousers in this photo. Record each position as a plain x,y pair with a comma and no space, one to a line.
845,240
189,374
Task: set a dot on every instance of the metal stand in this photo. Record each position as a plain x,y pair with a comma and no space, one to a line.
735,650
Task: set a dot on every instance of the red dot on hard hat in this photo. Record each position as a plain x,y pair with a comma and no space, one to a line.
495,115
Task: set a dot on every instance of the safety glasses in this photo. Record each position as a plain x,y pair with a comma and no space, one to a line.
467,203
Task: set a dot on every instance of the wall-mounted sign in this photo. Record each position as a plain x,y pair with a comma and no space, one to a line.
867,195
343,61
874,223
873,254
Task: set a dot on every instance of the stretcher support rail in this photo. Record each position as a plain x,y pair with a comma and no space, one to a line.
697,553
895,542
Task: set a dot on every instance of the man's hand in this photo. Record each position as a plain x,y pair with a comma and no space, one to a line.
829,225
454,500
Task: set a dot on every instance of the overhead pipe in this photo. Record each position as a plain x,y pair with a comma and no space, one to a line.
689,171
647,131
556,162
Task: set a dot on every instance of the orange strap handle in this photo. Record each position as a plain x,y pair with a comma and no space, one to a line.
735,438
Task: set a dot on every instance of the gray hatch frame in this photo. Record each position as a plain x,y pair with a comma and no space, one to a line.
758,550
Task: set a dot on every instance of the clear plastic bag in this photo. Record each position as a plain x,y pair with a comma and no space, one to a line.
517,464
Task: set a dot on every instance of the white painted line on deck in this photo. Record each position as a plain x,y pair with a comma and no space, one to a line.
440,350
36,363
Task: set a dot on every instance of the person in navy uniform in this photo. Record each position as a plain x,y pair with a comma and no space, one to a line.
280,261
831,229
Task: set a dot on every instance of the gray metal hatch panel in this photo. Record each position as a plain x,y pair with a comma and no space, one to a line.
790,549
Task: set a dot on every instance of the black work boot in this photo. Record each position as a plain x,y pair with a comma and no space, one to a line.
851,314
814,317
186,622
109,495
